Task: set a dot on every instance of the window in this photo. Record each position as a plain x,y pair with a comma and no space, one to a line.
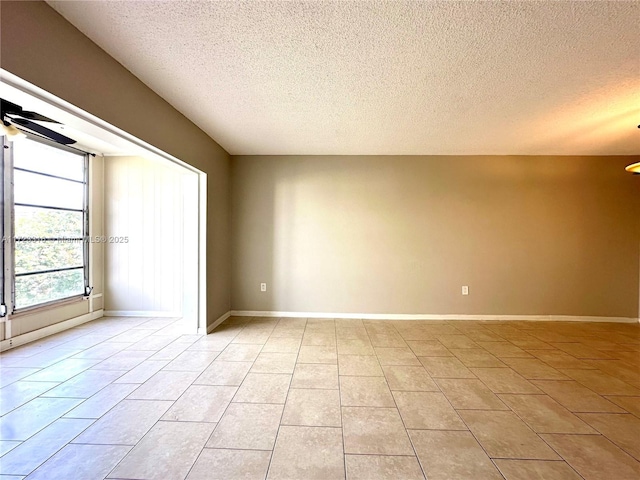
3,303
48,252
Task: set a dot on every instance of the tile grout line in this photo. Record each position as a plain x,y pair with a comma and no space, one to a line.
344,448
126,398
222,414
61,416
406,431
156,422
492,459
244,326
284,406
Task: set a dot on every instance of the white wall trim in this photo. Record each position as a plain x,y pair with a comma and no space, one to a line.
141,313
421,316
50,330
217,323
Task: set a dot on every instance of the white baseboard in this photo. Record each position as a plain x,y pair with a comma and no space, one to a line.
217,323
421,316
141,313
50,330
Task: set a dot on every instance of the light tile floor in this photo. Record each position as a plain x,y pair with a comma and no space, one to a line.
321,399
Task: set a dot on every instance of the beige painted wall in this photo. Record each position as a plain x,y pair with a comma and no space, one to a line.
144,202
391,234
41,47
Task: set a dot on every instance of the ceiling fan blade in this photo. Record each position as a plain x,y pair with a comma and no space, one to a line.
36,116
13,110
55,136
8,108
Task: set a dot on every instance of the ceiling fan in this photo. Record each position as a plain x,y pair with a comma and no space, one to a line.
13,114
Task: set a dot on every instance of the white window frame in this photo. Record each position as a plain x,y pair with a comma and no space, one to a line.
4,215
8,230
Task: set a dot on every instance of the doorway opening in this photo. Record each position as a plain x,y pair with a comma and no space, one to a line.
145,236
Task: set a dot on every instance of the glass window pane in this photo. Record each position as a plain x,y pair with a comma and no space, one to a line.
42,222
47,287
36,256
43,158
36,189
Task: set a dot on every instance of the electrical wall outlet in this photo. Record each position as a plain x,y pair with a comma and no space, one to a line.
263,287
465,290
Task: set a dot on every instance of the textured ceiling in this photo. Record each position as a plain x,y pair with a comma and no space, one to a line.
386,77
